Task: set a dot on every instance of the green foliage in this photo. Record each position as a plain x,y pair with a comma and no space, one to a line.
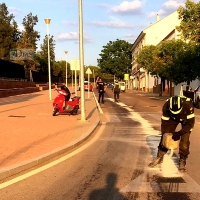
41,63
55,68
115,58
8,32
173,60
189,26
30,34
146,58
44,48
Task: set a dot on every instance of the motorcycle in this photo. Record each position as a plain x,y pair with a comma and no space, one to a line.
69,107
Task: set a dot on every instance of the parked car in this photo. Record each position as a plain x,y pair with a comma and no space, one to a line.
86,86
191,93
122,86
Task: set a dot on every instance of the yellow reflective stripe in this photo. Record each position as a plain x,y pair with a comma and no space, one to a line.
188,99
170,103
179,102
190,116
165,118
175,112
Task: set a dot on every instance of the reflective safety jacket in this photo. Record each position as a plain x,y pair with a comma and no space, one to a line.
116,87
186,117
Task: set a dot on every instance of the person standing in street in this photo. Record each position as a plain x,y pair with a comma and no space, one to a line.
101,90
116,91
176,110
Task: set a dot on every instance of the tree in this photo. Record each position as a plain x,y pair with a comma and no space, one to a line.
115,58
8,32
41,63
146,59
29,39
56,68
190,21
174,60
30,35
187,67
44,48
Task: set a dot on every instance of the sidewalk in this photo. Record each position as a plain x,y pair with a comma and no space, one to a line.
30,135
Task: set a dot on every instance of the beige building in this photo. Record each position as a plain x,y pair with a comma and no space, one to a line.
162,29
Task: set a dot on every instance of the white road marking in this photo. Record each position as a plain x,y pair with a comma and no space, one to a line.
155,116
141,184
49,165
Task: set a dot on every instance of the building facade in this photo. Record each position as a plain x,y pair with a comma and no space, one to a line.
162,29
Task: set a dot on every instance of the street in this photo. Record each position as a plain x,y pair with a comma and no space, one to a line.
113,163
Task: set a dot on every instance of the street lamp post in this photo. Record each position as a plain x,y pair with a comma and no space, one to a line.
66,52
47,21
81,55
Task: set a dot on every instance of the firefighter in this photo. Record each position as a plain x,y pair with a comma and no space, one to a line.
116,91
176,110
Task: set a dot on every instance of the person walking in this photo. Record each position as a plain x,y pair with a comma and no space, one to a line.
101,90
176,110
116,91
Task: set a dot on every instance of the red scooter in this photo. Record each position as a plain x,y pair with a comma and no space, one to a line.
69,107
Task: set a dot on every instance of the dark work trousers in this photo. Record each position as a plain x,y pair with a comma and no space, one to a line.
101,97
184,145
116,96
67,98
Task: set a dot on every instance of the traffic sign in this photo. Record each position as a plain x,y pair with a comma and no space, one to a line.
74,65
88,71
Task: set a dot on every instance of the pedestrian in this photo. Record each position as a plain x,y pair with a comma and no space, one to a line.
116,91
101,90
176,110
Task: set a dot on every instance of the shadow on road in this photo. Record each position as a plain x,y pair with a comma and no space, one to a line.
109,192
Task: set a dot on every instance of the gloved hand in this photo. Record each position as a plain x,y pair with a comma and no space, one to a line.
176,136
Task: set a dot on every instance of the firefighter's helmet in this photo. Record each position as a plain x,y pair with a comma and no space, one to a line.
175,104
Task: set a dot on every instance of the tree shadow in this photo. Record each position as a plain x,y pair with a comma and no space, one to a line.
109,192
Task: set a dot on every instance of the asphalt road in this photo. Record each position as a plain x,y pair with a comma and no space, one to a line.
113,163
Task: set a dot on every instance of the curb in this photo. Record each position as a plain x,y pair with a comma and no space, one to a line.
15,169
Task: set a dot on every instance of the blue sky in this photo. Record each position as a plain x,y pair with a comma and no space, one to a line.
103,21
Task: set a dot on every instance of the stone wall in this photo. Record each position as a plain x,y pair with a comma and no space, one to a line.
15,84
11,88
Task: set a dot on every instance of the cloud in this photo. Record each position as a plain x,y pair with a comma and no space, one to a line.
160,12
70,23
128,8
103,5
172,5
167,8
72,36
112,24
20,28
131,37
15,11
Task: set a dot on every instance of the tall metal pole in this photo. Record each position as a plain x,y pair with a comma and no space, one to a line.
72,79
47,21
81,55
66,52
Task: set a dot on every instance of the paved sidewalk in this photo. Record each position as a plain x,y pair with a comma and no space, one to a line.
30,135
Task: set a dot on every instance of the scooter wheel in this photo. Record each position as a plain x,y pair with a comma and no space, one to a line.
76,110
55,111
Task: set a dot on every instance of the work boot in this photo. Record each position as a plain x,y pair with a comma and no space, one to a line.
182,164
157,160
